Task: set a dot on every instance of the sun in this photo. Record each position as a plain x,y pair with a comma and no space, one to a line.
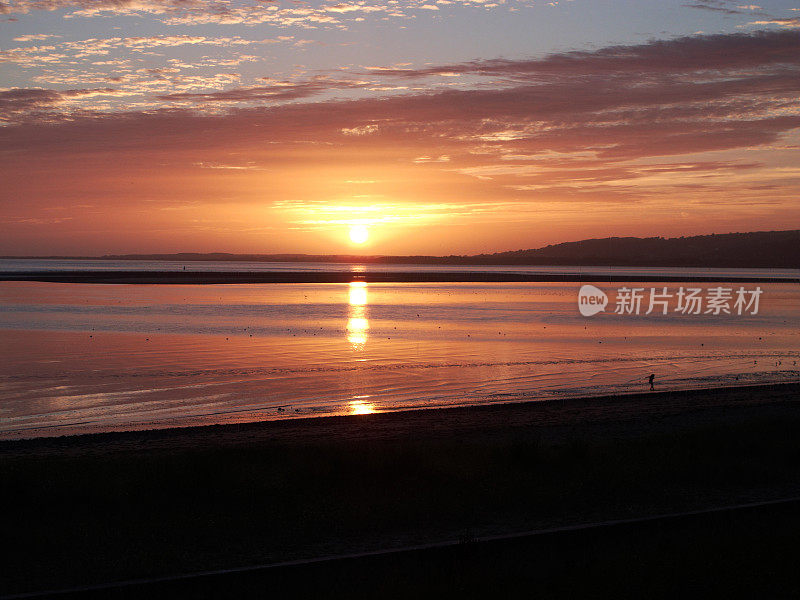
358,234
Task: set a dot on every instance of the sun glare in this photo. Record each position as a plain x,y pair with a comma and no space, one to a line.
359,407
357,324
358,234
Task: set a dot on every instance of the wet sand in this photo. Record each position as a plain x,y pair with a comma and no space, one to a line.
194,278
555,421
108,507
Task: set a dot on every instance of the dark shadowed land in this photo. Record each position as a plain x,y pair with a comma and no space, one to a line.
111,507
758,249
195,278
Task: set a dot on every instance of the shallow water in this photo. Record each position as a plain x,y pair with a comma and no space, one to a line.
79,357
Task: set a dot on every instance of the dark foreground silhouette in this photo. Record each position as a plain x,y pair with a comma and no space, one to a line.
742,553
98,509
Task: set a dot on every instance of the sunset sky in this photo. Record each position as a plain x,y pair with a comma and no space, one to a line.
433,126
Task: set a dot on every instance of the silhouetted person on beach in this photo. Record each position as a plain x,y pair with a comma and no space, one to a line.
651,378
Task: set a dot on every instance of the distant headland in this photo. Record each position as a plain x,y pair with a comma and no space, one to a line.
760,249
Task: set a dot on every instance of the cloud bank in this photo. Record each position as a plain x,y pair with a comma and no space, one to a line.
702,125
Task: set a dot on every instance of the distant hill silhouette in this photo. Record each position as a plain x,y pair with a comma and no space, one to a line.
755,249
777,249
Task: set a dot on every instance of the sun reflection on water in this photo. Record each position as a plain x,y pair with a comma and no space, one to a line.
358,293
360,407
357,324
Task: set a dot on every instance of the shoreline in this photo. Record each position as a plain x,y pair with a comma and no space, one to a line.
177,424
554,413
206,278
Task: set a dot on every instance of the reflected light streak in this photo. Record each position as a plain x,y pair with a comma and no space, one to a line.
359,407
357,332
358,293
357,324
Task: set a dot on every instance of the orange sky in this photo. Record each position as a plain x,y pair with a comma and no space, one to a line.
682,136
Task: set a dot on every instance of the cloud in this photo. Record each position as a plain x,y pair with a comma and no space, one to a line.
361,130
228,167
275,91
721,6
431,159
32,56
98,6
792,23
695,54
302,17
81,49
120,61
27,104
104,45
616,124
713,77
35,37
196,12
22,100
353,7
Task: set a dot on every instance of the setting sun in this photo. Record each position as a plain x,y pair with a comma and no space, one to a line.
359,234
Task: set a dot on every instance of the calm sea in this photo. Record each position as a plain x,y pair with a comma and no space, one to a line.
77,358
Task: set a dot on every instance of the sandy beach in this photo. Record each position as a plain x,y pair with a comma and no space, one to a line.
109,507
